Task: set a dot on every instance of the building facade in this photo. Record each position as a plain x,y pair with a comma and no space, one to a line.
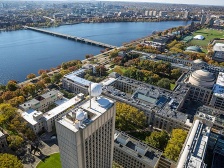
86,134
131,153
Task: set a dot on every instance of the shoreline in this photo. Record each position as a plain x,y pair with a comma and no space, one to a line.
65,24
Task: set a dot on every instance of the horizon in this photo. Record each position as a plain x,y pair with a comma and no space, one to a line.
181,2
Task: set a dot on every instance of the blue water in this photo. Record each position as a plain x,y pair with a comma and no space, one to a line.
25,51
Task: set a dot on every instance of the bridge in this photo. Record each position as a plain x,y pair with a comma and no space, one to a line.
74,38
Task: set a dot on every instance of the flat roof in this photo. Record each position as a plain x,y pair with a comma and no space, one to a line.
75,78
151,156
50,93
108,81
29,103
1,134
218,88
99,105
57,110
28,116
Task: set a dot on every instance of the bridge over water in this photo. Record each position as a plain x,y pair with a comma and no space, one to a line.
74,38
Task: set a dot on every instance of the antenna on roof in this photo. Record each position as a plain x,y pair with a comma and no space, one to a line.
90,95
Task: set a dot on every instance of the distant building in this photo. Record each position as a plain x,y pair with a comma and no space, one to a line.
199,37
146,13
131,153
86,134
203,19
218,56
150,13
162,13
154,13
186,14
193,49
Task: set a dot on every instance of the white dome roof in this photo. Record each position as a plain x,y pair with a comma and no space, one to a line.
96,89
202,78
198,61
80,115
199,37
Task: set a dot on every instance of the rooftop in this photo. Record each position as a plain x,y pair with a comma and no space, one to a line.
136,148
75,77
1,134
150,98
99,105
193,49
62,107
218,88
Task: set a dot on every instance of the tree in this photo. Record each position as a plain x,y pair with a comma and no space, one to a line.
29,89
158,139
129,117
56,78
15,141
175,144
175,73
7,112
11,86
31,76
164,83
101,70
10,161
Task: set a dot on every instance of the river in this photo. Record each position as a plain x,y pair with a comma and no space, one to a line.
25,51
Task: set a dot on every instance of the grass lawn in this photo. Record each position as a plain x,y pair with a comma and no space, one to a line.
53,161
172,86
209,35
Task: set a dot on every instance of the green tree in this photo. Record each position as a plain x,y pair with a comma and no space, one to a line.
11,86
164,83
7,112
10,161
129,117
15,141
56,78
175,144
158,139
175,73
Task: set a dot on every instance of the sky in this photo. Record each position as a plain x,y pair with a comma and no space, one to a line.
199,2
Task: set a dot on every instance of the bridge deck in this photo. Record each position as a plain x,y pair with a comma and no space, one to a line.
72,37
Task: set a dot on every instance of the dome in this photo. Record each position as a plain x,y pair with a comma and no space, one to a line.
199,37
193,49
202,78
198,61
96,89
80,115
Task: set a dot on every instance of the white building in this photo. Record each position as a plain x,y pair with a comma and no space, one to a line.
75,82
217,99
193,152
86,134
45,122
42,102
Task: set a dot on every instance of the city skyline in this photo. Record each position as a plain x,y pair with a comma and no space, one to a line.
190,2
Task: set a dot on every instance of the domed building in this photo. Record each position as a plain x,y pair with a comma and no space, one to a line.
199,37
198,64
193,49
202,78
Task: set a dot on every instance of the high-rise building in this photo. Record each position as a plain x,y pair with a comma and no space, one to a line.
203,19
86,134
146,13
186,14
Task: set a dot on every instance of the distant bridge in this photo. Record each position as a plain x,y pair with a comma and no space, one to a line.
74,38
